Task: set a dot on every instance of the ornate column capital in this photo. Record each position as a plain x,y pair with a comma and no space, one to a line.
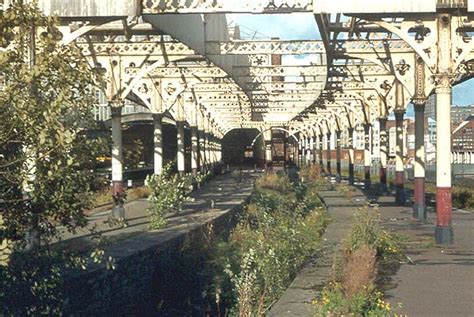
419,107
419,101
367,127
115,111
443,83
157,116
399,113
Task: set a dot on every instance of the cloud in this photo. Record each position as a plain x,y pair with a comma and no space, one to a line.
294,26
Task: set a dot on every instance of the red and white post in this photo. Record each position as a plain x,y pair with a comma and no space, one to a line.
444,229
419,206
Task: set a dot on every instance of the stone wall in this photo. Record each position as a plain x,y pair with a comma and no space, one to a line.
147,277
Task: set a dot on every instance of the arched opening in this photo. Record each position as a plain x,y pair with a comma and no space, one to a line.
237,149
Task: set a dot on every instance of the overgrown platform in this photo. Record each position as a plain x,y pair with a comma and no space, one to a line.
296,301
431,281
143,256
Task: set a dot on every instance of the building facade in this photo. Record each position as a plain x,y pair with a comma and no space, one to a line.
463,136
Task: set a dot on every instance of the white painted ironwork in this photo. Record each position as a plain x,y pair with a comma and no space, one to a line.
374,6
135,48
265,47
264,71
226,6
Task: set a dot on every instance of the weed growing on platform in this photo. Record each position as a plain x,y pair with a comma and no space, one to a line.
168,191
167,195
365,254
367,230
277,232
311,174
347,191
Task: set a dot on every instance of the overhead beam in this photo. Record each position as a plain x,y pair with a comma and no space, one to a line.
382,46
246,47
225,6
154,48
264,71
260,98
299,104
252,72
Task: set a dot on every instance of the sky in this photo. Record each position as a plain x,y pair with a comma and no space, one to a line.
302,26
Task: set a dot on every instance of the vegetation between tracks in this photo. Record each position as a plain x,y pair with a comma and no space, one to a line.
277,232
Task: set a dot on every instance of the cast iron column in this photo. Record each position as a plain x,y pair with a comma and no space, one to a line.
315,149
419,207
180,147
202,151
351,155
328,153
338,156
321,164
367,156
208,146
308,150
157,143
399,165
118,211
194,150
444,229
311,150
383,154
303,150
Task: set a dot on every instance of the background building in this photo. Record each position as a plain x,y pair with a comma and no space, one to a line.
458,113
463,136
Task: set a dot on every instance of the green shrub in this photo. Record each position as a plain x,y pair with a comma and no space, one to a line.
167,191
277,232
463,198
368,303
167,195
366,230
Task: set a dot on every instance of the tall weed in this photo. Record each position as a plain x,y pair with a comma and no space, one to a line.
353,289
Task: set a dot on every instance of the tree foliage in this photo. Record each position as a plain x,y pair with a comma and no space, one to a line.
46,156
